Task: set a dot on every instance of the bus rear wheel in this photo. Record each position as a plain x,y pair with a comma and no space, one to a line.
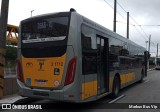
116,87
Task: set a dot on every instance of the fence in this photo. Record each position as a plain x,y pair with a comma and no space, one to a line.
8,82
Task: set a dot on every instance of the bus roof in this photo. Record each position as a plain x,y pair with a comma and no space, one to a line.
48,14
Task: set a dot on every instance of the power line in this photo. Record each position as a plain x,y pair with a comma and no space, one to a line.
151,25
135,28
121,15
117,11
109,4
141,34
125,23
122,8
129,22
140,27
133,20
152,43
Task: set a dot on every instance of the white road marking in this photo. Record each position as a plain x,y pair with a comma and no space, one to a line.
116,99
146,81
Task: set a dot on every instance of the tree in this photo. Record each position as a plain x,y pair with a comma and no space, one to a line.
11,53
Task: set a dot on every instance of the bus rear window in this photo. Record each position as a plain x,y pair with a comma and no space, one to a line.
44,30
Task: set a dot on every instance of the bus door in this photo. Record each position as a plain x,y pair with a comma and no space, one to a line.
102,64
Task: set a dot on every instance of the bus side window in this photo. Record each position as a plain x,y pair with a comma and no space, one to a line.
134,63
137,62
113,62
89,51
130,63
122,63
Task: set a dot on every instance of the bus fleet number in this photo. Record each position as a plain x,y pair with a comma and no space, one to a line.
57,64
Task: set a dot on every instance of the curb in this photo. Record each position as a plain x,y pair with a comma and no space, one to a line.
150,69
26,100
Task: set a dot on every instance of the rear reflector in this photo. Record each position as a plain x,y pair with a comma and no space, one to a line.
71,70
19,70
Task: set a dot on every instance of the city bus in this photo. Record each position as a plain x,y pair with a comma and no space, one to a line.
157,62
66,57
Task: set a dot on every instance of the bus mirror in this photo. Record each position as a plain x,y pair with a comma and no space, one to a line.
149,55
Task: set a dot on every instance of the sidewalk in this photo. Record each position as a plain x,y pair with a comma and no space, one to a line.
11,98
151,69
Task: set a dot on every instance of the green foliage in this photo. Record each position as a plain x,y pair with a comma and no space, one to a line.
10,56
11,53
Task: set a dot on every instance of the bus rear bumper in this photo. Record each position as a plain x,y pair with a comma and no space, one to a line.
40,93
57,95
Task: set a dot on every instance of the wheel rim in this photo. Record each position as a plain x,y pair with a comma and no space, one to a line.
116,88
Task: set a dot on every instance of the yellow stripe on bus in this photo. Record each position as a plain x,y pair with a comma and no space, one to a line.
127,77
89,89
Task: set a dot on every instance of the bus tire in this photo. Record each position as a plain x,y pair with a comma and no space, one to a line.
116,87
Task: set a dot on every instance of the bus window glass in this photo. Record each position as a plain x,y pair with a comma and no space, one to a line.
102,42
89,51
41,35
43,30
116,46
113,62
89,42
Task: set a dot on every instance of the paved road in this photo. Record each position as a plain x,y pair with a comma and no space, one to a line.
146,92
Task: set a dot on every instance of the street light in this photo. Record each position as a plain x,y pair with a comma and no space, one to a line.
31,12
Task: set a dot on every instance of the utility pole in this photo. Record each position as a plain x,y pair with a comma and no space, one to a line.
115,10
127,25
157,50
3,29
149,48
149,43
3,22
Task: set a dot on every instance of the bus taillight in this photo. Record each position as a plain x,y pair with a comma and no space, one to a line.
19,71
71,70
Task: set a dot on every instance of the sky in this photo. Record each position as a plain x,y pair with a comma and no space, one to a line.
144,15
